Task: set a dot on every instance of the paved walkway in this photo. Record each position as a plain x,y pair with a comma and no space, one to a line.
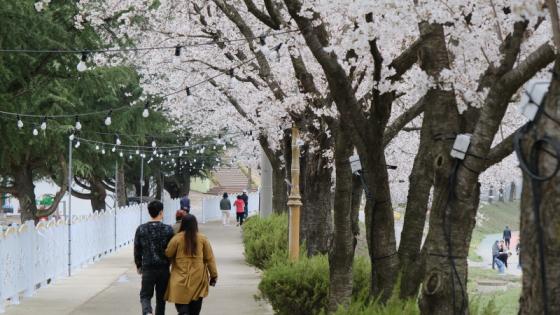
111,286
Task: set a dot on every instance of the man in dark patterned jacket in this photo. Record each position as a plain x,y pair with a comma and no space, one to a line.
150,242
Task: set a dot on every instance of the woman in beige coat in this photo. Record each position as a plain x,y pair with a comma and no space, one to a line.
193,268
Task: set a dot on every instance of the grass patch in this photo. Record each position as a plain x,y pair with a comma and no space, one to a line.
491,219
504,302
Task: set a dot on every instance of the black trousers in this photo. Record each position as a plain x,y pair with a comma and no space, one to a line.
193,308
154,279
240,217
507,242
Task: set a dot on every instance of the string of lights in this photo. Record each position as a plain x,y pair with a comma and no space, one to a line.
176,48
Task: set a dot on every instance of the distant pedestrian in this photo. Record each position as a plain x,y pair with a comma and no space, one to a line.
518,250
178,217
193,268
225,207
186,203
150,242
495,252
239,210
246,200
507,236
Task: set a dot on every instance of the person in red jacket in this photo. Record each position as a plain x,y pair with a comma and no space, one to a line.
239,210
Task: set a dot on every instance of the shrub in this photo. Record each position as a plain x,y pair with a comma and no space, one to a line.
266,240
301,288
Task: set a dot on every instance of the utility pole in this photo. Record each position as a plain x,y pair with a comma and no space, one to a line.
69,218
294,201
265,203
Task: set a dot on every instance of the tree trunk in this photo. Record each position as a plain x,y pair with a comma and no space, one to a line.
532,300
380,227
26,195
279,191
98,194
122,199
357,192
316,216
341,256
420,184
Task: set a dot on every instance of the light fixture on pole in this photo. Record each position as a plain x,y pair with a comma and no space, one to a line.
78,124
190,98
146,112
19,122
108,119
44,123
82,66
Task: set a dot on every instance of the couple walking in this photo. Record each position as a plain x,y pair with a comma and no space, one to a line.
241,208
193,267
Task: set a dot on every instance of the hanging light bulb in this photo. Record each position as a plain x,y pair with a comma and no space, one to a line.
97,147
194,160
137,151
155,152
103,151
181,153
190,98
44,123
187,143
121,154
19,122
82,66
117,140
108,119
35,131
77,144
202,150
71,137
113,149
264,49
232,79
154,144
78,124
146,112
224,147
214,147
130,157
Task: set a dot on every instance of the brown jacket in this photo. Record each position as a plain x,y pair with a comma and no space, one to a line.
190,275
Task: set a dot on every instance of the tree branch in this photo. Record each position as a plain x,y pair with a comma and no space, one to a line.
80,195
500,151
262,16
400,122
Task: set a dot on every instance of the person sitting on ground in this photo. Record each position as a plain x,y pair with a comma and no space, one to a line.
178,217
239,210
150,242
225,207
193,268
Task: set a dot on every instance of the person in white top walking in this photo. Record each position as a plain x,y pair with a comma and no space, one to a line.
225,206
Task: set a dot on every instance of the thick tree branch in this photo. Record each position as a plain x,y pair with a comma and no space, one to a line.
400,122
500,151
80,195
262,16
405,60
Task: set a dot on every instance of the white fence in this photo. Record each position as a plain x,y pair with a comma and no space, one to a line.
31,256
211,207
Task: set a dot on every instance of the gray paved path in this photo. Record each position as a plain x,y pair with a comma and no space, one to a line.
111,286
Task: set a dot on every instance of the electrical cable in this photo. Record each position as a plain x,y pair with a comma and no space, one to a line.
135,49
448,237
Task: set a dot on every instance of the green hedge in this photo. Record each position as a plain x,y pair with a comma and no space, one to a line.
265,240
301,288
